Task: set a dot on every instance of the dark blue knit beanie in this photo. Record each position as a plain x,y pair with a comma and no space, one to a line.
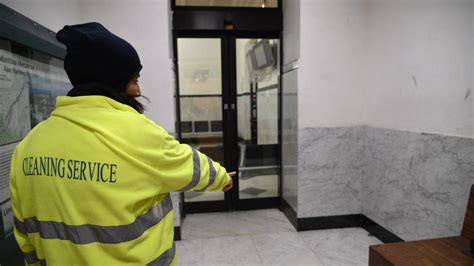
95,55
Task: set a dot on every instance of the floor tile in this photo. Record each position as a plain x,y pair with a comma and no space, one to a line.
242,223
266,237
218,251
349,246
284,249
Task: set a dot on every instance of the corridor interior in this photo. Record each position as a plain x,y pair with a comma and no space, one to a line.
266,237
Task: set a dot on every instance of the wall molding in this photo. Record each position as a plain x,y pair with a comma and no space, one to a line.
329,222
378,231
289,212
337,222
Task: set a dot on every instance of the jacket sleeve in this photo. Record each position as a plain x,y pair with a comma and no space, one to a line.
183,168
20,233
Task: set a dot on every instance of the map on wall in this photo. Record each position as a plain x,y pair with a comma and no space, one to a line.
14,100
43,93
28,90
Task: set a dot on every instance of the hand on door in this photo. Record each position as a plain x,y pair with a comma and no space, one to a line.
231,182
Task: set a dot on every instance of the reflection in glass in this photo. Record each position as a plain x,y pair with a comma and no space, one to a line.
257,117
200,86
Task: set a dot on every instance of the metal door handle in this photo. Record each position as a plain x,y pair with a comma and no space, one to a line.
232,106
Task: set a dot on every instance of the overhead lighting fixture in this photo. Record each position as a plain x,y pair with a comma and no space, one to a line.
263,3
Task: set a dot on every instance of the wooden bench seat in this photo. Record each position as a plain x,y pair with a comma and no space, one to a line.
438,251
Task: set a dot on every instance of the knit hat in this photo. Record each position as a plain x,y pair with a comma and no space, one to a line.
95,55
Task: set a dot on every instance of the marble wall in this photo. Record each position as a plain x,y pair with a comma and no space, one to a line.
330,169
289,89
416,185
290,138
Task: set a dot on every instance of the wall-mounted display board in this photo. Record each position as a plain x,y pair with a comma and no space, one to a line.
31,76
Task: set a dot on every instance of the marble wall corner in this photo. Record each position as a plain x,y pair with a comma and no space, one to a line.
417,185
290,138
331,164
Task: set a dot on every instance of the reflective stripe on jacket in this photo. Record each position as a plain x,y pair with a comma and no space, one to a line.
90,186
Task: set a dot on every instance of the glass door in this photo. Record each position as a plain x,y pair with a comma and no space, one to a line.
200,102
257,78
228,99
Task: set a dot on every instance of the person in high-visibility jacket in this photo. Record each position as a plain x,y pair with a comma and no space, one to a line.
90,185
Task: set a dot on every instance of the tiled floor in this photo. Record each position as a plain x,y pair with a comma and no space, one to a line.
266,237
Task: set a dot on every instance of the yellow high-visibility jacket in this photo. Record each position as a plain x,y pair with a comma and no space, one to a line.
90,186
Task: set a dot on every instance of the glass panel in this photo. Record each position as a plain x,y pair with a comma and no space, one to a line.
200,85
257,116
29,83
229,3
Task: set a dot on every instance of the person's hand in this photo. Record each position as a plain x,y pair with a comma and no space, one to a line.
231,182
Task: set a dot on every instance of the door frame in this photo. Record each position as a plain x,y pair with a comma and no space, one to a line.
231,200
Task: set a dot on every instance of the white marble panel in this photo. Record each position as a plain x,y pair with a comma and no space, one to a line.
340,246
284,249
331,164
217,251
417,185
205,225
290,138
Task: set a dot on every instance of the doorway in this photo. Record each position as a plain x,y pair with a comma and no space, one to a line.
228,107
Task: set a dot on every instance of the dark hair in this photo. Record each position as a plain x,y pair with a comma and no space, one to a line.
135,104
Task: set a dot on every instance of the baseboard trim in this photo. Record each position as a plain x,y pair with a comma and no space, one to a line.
289,213
177,233
379,231
329,222
337,222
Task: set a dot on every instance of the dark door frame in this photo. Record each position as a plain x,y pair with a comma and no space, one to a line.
229,96
217,18
228,24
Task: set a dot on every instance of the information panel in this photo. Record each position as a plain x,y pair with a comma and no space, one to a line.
29,84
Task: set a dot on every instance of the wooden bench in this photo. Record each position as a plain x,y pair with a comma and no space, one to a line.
456,250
